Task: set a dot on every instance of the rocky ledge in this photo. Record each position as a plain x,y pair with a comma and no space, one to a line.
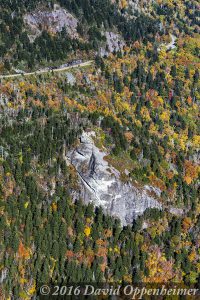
101,184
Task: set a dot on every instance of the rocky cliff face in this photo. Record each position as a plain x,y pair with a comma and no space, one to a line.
101,184
51,20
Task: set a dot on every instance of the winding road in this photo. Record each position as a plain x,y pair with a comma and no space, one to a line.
173,42
171,45
45,71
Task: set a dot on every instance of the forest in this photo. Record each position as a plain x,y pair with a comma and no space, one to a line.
17,49
53,240
142,103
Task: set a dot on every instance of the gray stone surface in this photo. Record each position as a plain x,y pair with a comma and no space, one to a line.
51,20
101,184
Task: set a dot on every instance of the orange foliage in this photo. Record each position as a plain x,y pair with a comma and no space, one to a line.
157,182
89,256
136,45
102,251
128,136
103,266
38,103
101,242
69,254
108,233
23,252
189,100
186,224
170,174
192,255
160,270
191,172
54,104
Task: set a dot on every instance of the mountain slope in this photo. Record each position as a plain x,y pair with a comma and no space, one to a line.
122,132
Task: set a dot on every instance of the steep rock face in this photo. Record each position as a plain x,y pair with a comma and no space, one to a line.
51,20
114,41
101,184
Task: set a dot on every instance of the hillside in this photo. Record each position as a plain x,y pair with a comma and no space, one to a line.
36,33
99,164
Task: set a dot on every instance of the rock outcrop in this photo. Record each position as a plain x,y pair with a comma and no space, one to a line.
101,184
51,20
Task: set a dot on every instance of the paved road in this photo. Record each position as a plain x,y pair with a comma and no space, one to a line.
171,45
84,64
173,42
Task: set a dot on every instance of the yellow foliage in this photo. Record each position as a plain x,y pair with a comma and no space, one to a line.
160,100
32,290
117,250
26,204
138,123
23,295
162,54
192,255
126,106
123,4
21,158
88,220
127,278
145,114
182,144
152,128
196,141
188,179
87,231
165,116
22,84
160,269
54,206
175,136
9,104
198,267
22,281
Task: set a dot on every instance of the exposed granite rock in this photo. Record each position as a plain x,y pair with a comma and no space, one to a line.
101,184
176,211
3,275
51,20
114,41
